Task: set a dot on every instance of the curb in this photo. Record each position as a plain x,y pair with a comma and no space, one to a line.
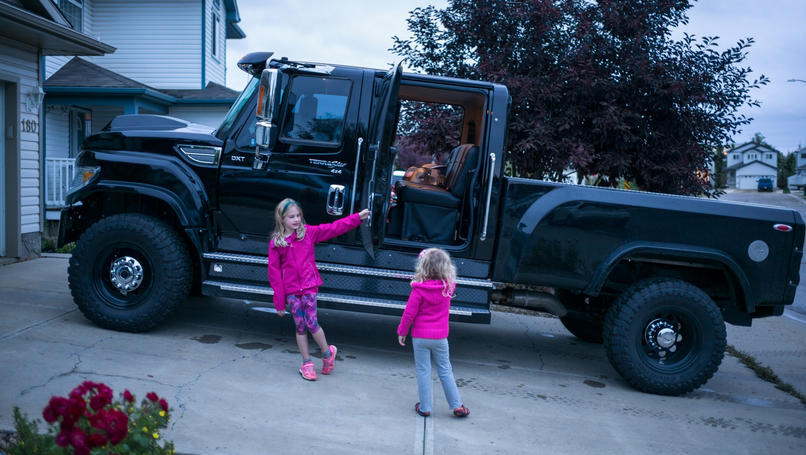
796,198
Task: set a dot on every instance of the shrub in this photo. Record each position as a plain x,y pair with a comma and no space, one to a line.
90,422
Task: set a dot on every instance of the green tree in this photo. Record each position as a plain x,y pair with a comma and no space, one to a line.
787,165
598,87
720,163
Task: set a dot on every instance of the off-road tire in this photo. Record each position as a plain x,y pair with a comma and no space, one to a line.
166,267
664,302
583,325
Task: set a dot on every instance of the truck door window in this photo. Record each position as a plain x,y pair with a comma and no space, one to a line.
427,132
316,108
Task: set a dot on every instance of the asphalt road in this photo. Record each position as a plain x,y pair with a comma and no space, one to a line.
230,374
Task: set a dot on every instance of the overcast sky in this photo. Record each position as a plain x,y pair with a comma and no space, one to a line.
359,32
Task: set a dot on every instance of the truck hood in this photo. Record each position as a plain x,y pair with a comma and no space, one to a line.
160,127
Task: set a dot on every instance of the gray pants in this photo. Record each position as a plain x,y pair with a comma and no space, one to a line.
424,350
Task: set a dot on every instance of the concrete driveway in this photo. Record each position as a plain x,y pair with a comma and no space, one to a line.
230,374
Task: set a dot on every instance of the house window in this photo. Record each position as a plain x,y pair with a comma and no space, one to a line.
769,156
803,156
215,44
735,156
73,11
316,107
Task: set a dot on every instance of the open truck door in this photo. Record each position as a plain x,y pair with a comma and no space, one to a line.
380,158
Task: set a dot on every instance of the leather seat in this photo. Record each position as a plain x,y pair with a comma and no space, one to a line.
430,213
423,193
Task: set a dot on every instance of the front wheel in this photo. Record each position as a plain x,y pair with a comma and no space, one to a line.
129,272
664,336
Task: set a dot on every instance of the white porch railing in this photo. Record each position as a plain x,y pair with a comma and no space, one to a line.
58,174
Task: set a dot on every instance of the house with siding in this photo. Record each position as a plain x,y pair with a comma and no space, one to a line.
747,163
30,30
797,181
170,60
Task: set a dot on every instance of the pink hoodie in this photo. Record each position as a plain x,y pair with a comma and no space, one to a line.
427,311
292,269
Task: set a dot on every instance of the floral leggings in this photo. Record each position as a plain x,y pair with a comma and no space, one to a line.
303,309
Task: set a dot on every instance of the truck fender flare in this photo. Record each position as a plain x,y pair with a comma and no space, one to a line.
175,184
187,216
677,251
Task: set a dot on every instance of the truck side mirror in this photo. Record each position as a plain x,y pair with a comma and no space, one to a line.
266,125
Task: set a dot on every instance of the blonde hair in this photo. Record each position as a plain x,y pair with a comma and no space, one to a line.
279,233
435,264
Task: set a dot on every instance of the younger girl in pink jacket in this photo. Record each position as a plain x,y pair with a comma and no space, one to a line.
295,280
427,314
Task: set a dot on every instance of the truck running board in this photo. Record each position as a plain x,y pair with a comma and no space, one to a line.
337,301
345,269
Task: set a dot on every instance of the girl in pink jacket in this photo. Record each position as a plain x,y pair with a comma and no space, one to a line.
427,314
295,280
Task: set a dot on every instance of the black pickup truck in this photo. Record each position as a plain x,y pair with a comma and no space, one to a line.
160,208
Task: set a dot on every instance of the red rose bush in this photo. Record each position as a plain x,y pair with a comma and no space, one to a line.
91,422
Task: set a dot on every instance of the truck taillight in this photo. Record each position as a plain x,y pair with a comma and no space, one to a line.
782,227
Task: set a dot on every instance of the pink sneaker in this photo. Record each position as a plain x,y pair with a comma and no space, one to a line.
329,362
307,371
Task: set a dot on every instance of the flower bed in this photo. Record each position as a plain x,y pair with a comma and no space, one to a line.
91,422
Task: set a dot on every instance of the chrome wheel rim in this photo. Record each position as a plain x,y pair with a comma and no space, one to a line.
126,274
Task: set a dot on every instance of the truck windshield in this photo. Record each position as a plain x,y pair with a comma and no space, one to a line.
237,107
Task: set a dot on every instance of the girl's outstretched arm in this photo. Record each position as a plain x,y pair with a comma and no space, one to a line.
327,231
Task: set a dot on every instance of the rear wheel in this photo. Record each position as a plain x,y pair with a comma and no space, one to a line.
129,272
665,336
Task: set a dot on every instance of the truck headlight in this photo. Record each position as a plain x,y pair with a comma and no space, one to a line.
83,176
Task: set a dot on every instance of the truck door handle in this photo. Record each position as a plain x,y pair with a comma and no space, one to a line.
335,200
483,235
371,201
355,173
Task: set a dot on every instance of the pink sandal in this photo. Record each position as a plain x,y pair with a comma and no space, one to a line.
461,411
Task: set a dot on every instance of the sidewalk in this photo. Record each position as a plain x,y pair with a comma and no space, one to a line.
776,342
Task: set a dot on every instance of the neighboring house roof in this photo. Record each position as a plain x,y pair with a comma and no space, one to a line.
748,146
81,73
34,25
738,166
79,77
213,91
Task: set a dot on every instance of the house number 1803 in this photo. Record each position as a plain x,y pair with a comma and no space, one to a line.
29,126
